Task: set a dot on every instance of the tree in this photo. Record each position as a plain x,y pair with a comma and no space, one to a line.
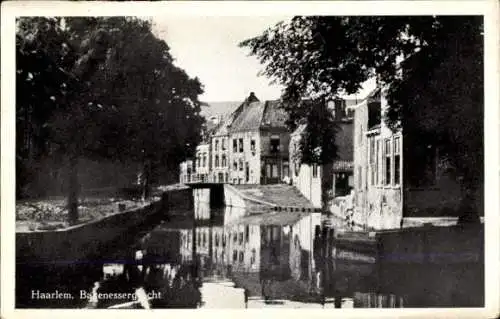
58,69
417,59
103,99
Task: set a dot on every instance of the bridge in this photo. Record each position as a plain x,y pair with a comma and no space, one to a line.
216,192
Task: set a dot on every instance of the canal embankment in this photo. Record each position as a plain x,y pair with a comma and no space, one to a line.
78,242
71,259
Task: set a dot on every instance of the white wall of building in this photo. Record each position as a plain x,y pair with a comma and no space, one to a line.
250,156
377,203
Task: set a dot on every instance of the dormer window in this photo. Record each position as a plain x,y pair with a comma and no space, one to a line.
274,144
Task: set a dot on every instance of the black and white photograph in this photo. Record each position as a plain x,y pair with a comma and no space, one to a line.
270,161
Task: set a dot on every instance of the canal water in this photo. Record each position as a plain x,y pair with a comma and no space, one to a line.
171,264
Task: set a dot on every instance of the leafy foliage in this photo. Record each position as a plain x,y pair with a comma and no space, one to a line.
430,66
104,88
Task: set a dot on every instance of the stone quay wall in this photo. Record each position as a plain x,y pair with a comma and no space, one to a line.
79,242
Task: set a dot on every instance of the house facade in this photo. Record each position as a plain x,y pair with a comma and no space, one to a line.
311,179
377,166
259,143
400,180
250,146
220,152
203,163
186,170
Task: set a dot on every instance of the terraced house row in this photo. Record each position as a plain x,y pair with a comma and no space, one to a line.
249,146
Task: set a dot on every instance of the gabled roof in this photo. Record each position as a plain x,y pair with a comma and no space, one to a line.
249,117
219,108
274,115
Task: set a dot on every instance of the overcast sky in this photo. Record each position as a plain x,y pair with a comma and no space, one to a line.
207,47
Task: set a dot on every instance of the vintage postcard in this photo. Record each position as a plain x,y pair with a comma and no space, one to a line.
329,156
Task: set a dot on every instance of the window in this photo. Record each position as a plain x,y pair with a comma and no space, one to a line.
240,164
253,257
274,144
235,165
224,161
223,144
226,177
268,235
247,172
235,237
216,240
268,170
240,181
240,143
247,231
204,239
216,160
252,147
216,145
315,170
387,163
360,177
377,163
397,160
235,255
374,115
198,161
276,233
373,170
241,238
235,145
286,169
204,160
241,256
223,240
275,171
296,167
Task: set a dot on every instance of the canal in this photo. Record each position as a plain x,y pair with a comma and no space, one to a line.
182,261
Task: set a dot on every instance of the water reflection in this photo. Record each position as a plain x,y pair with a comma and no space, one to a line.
214,257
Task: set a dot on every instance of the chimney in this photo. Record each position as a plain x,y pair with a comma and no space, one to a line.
252,98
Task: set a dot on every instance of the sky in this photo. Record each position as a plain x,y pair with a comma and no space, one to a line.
207,47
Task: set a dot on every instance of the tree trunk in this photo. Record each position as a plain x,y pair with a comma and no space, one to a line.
146,181
73,188
468,211
326,187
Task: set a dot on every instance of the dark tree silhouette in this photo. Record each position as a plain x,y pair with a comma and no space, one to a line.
430,67
103,88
